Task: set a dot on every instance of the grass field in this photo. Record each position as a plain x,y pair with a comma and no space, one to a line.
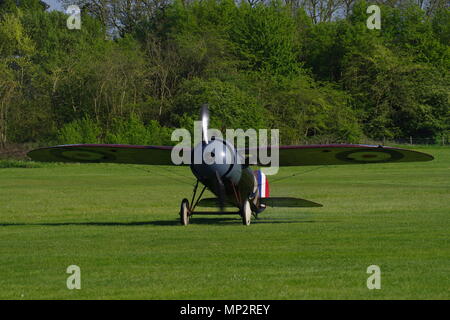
120,225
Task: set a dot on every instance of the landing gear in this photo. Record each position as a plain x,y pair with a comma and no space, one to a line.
184,212
246,213
187,210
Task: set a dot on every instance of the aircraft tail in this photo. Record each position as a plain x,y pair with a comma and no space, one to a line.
263,184
288,202
276,202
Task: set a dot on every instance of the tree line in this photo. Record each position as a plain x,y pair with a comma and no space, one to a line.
137,69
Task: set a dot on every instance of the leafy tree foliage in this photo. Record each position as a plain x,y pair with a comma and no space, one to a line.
137,69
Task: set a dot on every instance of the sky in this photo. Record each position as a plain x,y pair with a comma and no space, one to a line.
54,4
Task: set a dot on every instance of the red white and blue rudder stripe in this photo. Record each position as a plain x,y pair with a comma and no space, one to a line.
263,184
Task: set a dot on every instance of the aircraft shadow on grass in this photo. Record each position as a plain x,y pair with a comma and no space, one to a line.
210,221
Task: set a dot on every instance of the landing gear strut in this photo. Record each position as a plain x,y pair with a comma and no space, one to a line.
187,210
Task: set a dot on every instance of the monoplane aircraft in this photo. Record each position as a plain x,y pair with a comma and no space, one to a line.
226,170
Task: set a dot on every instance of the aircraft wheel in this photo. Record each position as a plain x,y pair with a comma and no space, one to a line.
246,213
184,212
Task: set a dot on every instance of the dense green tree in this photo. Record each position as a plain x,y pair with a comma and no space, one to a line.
230,107
16,49
410,30
265,38
307,111
136,69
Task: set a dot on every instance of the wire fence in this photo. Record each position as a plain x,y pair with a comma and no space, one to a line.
419,141
442,141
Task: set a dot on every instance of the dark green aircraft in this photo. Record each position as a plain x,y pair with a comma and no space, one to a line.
225,170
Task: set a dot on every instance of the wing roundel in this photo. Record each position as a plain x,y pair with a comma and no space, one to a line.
334,154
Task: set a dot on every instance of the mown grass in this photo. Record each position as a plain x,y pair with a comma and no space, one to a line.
5,164
120,225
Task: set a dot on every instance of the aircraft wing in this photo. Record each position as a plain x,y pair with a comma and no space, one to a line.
288,202
333,154
288,155
111,153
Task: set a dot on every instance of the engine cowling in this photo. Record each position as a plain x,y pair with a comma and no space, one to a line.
216,157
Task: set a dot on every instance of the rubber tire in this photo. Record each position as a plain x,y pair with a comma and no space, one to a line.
184,212
246,213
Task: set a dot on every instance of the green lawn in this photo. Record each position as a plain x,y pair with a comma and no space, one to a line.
119,224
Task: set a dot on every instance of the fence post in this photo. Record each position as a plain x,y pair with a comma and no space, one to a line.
410,140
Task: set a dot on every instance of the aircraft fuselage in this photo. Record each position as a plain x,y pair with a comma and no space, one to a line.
221,172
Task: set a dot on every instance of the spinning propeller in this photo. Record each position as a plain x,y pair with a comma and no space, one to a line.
204,118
